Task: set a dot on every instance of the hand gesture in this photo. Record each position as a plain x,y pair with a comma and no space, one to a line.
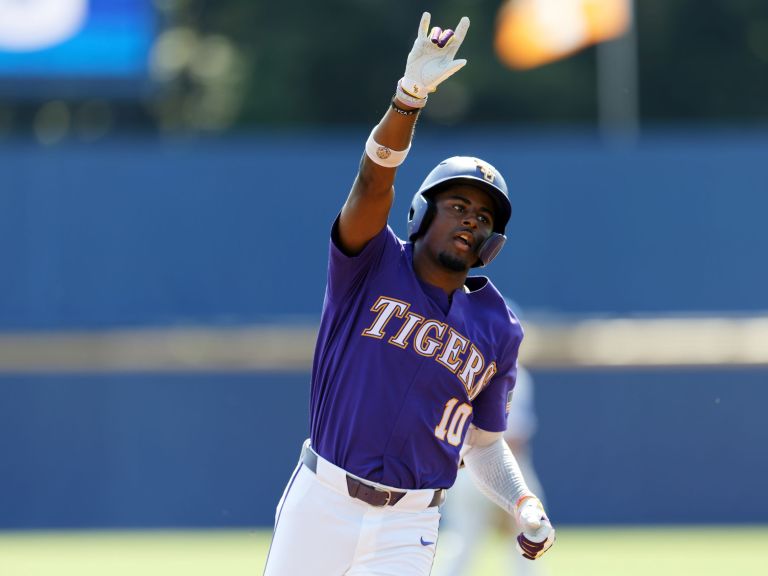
431,59
537,534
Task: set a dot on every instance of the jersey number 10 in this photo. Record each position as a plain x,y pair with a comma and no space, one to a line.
451,427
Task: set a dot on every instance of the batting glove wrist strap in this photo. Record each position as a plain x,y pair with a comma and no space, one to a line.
407,99
431,59
384,155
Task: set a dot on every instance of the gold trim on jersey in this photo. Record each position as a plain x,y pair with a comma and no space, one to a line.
384,315
473,365
433,345
432,338
489,373
449,356
401,338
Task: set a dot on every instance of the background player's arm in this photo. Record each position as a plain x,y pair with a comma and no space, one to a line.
430,61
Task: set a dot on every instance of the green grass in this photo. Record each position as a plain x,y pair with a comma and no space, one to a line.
620,551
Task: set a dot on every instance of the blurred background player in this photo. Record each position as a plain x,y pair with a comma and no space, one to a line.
469,517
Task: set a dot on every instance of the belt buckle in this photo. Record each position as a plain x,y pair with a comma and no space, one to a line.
389,496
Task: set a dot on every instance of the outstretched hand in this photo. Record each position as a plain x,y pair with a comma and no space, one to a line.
537,534
431,59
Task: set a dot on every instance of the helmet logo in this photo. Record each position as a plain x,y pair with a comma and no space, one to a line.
383,152
486,170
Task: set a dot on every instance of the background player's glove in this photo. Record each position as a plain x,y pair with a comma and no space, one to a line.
537,534
431,60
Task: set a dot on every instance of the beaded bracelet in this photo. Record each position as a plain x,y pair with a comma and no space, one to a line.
403,111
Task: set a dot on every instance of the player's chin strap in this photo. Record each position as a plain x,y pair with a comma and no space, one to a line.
496,473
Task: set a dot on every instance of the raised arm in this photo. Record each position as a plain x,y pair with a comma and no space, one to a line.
430,61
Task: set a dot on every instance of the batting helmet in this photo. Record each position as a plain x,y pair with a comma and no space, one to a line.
463,170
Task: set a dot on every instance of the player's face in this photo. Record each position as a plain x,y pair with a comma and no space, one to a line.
462,222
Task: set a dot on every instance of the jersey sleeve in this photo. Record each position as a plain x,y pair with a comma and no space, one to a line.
346,273
491,407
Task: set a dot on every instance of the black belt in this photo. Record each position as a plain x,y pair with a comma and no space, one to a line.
365,492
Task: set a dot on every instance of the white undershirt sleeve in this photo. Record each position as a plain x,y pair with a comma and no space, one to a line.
496,473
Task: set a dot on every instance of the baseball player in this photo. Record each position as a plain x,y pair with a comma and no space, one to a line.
415,360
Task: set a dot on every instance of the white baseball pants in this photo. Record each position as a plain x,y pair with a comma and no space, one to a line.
320,530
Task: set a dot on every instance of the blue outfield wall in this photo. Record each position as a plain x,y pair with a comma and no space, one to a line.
136,232
653,446
135,451
160,450
222,232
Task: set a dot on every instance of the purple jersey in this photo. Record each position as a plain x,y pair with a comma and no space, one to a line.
399,371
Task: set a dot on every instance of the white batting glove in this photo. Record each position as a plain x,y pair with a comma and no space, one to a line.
431,60
537,534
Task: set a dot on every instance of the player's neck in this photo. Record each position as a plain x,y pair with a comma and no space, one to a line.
438,275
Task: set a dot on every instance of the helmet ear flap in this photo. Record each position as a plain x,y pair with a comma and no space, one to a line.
420,215
489,249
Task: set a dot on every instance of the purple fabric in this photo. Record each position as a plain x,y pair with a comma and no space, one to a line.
375,405
444,37
440,36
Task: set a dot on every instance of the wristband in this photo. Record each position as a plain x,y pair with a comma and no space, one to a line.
403,111
383,155
409,99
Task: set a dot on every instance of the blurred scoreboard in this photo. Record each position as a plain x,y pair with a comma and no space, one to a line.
71,47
